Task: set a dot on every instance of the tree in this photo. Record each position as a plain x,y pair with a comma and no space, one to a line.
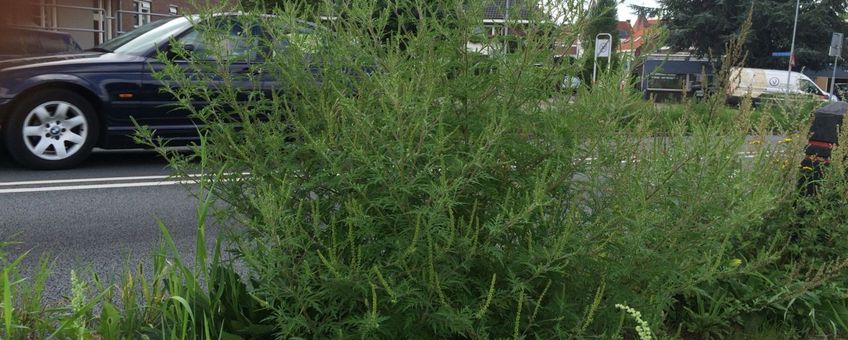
706,25
603,17
645,11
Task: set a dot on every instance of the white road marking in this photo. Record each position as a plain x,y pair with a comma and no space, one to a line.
145,181
83,180
92,186
743,154
98,179
102,183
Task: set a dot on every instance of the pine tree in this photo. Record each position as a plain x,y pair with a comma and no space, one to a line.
706,25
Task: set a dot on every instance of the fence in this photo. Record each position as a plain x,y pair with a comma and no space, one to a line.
90,25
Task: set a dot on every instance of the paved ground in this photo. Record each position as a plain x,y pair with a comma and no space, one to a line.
96,216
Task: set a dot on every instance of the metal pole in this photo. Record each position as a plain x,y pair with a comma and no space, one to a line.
506,28
594,68
643,83
54,18
833,77
101,23
792,47
43,14
109,20
119,25
609,56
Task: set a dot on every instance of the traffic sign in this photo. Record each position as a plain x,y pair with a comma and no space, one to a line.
835,45
603,47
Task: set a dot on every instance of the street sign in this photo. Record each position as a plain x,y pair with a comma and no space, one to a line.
780,54
603,47
835,45
835,52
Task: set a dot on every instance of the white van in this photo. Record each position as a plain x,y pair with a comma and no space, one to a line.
762,85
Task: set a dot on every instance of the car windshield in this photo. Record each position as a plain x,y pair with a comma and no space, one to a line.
144,38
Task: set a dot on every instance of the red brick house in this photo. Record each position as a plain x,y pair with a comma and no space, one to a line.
90,22
641,33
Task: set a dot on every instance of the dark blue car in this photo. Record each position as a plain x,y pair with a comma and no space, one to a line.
55,109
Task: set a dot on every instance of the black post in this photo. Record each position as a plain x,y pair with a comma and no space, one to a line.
824,135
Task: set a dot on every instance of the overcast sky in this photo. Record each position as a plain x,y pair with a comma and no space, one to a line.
624,12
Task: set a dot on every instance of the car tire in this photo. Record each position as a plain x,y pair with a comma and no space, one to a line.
51,129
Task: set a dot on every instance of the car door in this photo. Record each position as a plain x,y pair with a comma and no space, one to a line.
236,52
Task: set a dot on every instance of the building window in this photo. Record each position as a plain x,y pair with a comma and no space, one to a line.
173,10
667,82
142,9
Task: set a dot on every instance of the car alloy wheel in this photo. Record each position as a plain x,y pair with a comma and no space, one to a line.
55,130
51,129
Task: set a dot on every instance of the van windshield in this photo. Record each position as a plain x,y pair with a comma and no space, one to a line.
808,87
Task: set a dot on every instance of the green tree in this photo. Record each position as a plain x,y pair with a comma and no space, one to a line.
602,18
706,25
645,11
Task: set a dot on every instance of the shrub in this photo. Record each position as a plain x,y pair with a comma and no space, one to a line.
398,183
383,181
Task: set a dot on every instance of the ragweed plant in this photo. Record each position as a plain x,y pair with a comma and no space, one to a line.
389,178
384,179
643,330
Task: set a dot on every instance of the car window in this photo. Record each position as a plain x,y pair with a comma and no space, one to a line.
236,44
303,38
145,38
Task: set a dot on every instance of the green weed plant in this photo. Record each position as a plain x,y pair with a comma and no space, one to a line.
384,181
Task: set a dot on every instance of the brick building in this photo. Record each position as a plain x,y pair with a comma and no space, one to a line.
642,32
90,22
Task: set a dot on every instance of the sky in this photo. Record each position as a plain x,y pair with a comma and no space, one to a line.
624,11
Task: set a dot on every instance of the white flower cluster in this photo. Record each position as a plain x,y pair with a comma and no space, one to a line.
642,327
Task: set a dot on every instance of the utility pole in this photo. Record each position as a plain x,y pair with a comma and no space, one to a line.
792,47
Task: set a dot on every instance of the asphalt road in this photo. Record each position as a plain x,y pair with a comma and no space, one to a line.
100,216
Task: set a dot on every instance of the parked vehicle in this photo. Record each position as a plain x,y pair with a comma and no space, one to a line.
770,85
16,42
841,90
54,110
569,84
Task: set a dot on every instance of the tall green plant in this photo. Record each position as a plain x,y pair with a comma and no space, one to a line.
399,184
